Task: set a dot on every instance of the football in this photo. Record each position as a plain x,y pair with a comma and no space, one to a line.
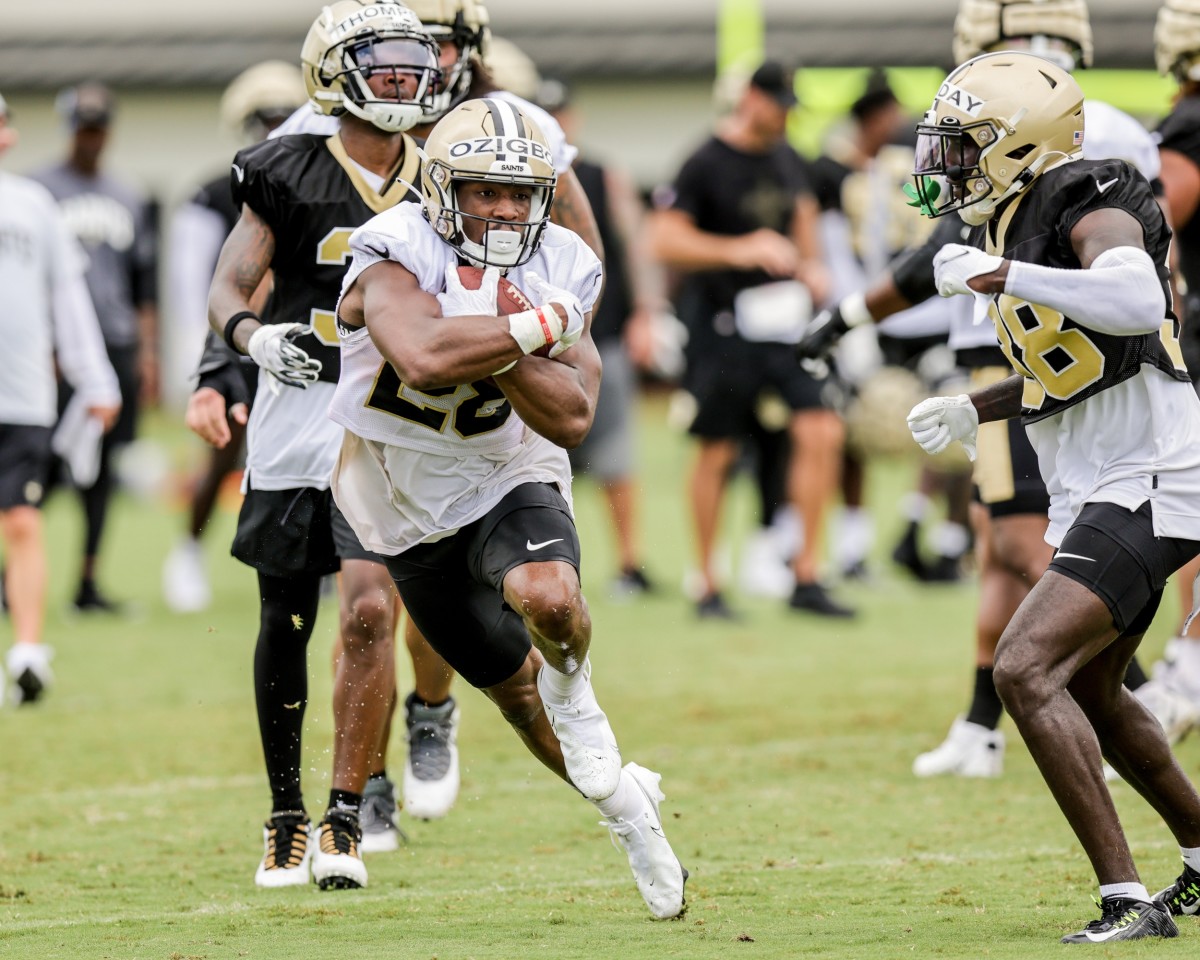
509,297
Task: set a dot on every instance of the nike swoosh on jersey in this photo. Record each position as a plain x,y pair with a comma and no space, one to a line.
1073,556
237,172
538,546
1104,186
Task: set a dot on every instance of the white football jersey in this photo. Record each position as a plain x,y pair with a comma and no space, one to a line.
290,441
1108,134
417,466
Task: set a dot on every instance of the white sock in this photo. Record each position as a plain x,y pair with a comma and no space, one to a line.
627,801
562,687
1191,856
950,539
1127,891
855,533
915,506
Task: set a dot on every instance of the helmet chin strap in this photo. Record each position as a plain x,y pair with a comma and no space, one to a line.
980,213
500,248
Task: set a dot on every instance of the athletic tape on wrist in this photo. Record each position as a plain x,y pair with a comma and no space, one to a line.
534,329
854,310
231,326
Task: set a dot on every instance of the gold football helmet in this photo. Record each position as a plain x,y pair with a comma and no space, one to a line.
492,141
353,40
463,23
1177,39
997,123
260,95
1058,30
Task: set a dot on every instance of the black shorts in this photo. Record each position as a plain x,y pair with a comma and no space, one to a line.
24,464
1114,553
1007,478
729,381
454,588
284,533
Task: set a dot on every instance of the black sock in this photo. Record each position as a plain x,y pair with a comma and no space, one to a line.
343,801
1135,676
381,775
986,707
289,607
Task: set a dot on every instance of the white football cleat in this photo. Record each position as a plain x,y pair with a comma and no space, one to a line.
660,876
336,861
378,816
589,748
431,777
29,671
184,580
286,850
969,750
764,570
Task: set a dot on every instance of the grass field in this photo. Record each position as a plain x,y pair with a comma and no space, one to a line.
133,797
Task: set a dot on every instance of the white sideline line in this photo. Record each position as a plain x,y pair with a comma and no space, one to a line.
333,901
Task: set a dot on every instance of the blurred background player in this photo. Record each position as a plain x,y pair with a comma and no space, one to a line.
255,102
865,224
1177,54
46,317
623,331
741,224
374,69
116,228
1011,519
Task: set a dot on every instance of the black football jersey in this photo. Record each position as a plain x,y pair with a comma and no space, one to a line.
1181,132
312,196
1063,362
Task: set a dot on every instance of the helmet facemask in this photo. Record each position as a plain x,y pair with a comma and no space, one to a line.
456,79
396,57
947,171
504,243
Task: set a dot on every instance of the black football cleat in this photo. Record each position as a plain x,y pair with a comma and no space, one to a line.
1182,898
1125,919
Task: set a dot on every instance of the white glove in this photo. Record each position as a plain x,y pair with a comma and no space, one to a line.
271,347
458,301
956,264
548,293
939,421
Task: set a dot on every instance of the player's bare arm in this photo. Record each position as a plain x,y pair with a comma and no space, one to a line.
426,349
572,210
557,398
677,242
1000,401
244,261
1181,184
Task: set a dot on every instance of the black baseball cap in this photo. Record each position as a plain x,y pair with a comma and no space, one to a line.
87,105
777,82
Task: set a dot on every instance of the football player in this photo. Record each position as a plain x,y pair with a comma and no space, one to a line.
453,466
374,68
1071,269
431,771
46,317
1010,520
1177,53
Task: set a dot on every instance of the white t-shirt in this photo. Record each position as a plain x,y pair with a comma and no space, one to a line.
403,480
1108,134
44,308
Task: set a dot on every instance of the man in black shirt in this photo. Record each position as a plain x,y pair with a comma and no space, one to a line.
741,223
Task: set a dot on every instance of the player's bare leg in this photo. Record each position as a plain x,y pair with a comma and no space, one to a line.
1060,627
714,460
558,718
25,579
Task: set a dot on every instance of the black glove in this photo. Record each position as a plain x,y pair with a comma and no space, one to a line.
228,381
822,335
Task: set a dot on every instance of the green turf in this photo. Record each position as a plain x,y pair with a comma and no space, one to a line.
132,798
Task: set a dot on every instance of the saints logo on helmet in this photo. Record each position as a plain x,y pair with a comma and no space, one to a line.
1177,39
353,41
1058,30
997,123
462,24
488,141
